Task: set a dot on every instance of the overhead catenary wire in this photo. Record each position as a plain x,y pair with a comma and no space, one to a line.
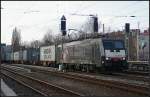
134,3
137,16
124,9
90,6
17,22
25,14
121,22
30,11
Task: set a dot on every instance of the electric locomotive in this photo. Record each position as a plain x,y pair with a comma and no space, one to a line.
93,55
115,55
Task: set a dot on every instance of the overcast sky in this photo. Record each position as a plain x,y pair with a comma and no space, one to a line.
35,18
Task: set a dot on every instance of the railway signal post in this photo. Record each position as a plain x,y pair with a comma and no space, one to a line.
63,30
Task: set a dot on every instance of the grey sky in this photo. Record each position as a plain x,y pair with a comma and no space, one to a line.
34,18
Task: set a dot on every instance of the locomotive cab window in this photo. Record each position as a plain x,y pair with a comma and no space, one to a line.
113,44
108,44
118,44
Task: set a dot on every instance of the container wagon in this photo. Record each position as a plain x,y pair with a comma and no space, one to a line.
31,56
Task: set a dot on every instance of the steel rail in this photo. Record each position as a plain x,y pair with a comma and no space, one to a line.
36,90
137,72
67,91
131,76
110,83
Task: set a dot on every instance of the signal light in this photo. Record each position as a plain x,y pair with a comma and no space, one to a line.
127,28
63,25
95,24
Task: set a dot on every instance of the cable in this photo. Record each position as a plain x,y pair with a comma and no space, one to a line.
25,14
84,8
135,11
135,3
128,6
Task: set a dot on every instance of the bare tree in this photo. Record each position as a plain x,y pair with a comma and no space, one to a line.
48,38
87,26
57,39
25,44
16,39
35,44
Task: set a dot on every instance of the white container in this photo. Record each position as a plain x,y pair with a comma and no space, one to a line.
47,53
16,56
25,55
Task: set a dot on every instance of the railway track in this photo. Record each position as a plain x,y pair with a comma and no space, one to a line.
121,75
142,73
132,76
110,83
42,87
18,89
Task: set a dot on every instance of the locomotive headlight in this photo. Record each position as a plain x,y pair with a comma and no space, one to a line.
123,58
107,58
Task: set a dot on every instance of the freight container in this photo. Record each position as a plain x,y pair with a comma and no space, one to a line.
8,56
21,55
3,56
25,55
8,51
18,56
47,55
35,56
31,56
